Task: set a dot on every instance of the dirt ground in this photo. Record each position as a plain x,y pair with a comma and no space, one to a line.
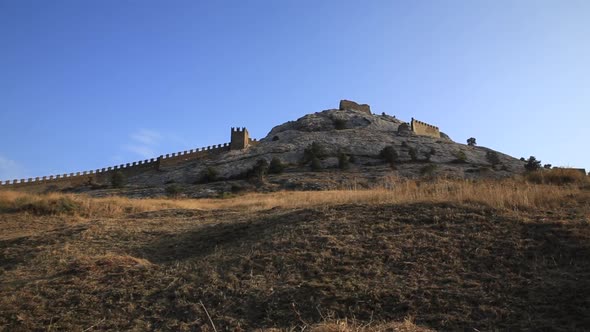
443,266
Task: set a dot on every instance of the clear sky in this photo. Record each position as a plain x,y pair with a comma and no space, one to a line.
90,84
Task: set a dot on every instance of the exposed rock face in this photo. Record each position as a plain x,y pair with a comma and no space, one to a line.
348,105
404,130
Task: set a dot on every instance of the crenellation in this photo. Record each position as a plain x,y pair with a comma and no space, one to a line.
239,140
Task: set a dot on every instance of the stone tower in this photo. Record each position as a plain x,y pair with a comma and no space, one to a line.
239,138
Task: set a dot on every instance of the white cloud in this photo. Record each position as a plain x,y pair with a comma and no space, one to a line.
143,143
10,169
146,137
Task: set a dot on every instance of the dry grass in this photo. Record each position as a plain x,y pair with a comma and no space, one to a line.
508,194
558,176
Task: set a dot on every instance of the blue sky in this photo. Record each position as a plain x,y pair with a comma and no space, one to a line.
90,84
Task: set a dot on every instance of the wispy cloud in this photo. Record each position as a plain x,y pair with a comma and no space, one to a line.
146,137
143,143
10,169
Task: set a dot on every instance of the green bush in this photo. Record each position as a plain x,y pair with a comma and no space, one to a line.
493,158
173,190
260,169
460,156
209,175
389,154
316,164
276,166
532,164
471,141
118,180
339,124
343,161
428,169
314,150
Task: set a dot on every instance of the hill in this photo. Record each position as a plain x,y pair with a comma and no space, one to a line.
348,147
413,258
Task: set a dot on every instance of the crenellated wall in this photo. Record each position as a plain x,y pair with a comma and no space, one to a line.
424,129
240,140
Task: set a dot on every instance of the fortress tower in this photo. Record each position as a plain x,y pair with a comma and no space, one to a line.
239,138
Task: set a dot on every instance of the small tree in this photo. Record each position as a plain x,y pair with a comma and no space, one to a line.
389,154
471,141
343,161
547,166
118,180
276,166
532,164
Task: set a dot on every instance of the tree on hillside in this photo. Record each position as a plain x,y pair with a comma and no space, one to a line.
471,141
532,164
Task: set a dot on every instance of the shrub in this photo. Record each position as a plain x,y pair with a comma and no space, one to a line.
460,156
260,169
118,180
316,164
173,190
339,124
547,166
532,164
471,141
275,138
209,175
492,157
343,161
276,166
314,150
428,169
389,154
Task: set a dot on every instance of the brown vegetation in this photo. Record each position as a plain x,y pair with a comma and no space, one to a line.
410,256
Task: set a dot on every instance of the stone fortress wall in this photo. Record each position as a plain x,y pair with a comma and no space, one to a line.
351,105
424,129
240,139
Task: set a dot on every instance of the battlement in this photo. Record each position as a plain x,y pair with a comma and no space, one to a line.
424,129
240,139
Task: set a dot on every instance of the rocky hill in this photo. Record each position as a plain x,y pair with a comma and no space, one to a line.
356,136
342,148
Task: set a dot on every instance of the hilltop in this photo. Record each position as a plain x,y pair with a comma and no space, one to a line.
349,143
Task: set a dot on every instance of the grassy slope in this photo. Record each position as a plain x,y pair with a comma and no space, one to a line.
445,265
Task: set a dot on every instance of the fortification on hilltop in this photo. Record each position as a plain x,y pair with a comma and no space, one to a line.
424,129
240,140
351,105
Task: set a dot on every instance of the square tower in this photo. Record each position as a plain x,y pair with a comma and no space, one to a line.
239,138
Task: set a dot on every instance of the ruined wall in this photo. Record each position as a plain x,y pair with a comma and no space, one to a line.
351,105
240,140
424,129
